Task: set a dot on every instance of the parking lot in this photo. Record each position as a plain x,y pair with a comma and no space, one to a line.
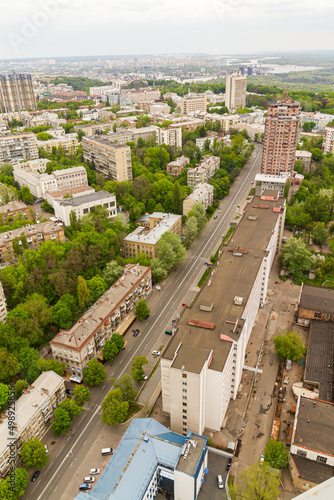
216,465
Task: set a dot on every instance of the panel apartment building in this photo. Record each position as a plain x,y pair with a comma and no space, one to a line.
113,312
193,102
176,167
69,143
170,136
280,136
110,158
203,172
16,93
202,194
3,305
328,144
13,209
202,367
18,147
236,86
147,236
143,94
34,412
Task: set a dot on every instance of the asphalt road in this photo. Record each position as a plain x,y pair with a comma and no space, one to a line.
216,465
72,449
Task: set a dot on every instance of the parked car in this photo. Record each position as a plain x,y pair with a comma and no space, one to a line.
228,466
220,211
262,458
68,391
156,353
286,380
135,333
85,487
215,217
271,361
35,476
46,448
89,479
220,482
145,377
92,472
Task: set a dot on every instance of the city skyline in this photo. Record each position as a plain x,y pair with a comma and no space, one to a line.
56,28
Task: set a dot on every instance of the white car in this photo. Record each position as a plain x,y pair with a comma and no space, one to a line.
286,380
262,458
89,479
220,482
92,472
156,353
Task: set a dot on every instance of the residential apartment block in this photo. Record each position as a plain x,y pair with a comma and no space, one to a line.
69,143
83,205
176,167
328,143
113,312
236,86
110,158
3,305
16,93
306,158
12,209
202,194
95,128
169,136
18,147
193,102
41,183
150,458
35,234
311,458
280,136
144,94
202,366
201,141
204,171
34,412
147,236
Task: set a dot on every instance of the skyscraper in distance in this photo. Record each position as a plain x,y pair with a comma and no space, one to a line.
16,93
236,85
280,136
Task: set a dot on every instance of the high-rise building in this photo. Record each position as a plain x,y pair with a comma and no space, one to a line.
236,85
3,305
18,147
280,136
16,93
328,144
110,158
193,102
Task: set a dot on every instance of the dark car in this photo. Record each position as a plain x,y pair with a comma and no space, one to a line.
146,317
135,333
35,476
228,466
68,391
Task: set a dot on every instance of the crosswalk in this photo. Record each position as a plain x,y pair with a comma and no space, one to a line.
92,407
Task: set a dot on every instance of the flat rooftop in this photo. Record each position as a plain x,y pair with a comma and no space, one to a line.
317,298
320,358
234,276
278,179
106,141
88,198
66,171
63,192
144,235
315,425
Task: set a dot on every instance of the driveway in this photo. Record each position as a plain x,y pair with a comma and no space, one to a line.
216,465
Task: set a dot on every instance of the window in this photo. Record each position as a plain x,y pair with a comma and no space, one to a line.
184,383
184,411
184,404
184,390
184,397
317,315
184,429
184,423
301,453
322,460
184,375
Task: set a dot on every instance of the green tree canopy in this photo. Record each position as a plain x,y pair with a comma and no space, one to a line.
114,409
63,312
258,482
276,454
33,453
320,234
125,384
19,386
112,272
94,372
110,351
136,370
142,309
295,257
81,394
191,230
83,292
7,492
62,421
4,394
289,346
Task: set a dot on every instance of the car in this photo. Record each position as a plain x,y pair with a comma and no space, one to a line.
46,448
89,479
229,462
219,211
288,367
85,487
271,361
146,317
220,482
156,353
286,380
215,217
252,182
35,476
262,458
145,377
135,333
68,391
92,472
288,361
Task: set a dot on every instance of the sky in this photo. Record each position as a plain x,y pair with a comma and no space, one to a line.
51,28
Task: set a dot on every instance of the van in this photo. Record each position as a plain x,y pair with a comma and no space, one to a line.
107,451
169,332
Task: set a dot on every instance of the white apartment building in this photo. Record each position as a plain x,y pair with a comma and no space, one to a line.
266,182
169,136
103,90
328,144
202,194
193,102
89,114
68,142
203,171
158,108
3,305
320,120
40,183
18,147
200,141
236,85
202,367
112,313
83,205
63,194
34,412
143,94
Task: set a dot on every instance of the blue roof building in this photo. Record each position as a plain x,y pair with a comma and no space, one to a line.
151,458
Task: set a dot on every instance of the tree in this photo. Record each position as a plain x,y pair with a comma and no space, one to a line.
118,340
125,384
114,409
286,189
71,407
136,370
191,231
83,292
112,272
13,487
63,312
19,386
33,453
276,454
319,234
171,251
62,421
16,247
46,365
258,482
295,257
94,372
110,351
308,126
81,394
25,195
4,395
289,346
96,286
199,212
24,241
43,136
142,309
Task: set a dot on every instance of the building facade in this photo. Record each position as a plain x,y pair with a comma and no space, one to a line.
3,305
236,85
83,205
144,94
13,209
328,143
201,141
305,157
34,414
280,136
203,172
18,147
112,313
315,302
202,194
176,167
147,236
193,102
69,143
110,158
16,93
169,136
264,182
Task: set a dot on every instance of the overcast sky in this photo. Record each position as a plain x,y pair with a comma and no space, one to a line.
50,28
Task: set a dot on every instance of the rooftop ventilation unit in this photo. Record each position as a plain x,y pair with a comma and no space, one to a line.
238,300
